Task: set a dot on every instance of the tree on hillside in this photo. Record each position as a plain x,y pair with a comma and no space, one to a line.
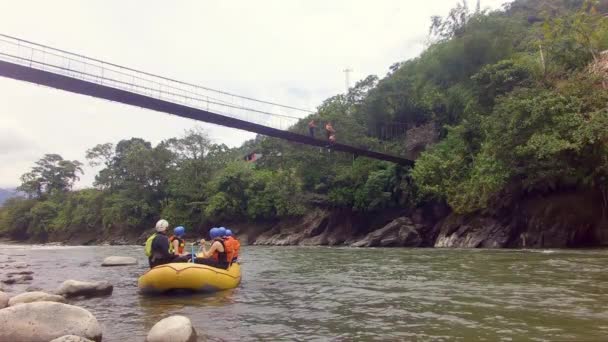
455,23
132,164
51,174
574,40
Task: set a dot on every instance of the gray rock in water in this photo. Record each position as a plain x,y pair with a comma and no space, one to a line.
20,272
20,279
33,289
45,321
118,261
36,296
20,265
75,288
172,329
4,298
71,338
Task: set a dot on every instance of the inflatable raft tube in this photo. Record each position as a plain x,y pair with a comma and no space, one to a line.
189,276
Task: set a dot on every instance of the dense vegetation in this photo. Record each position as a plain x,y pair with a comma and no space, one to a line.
512,93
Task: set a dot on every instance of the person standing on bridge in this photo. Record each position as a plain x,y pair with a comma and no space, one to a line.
311,128
329,130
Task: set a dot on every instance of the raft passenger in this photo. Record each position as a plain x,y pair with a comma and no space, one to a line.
178,244
216,255
159,249
230,240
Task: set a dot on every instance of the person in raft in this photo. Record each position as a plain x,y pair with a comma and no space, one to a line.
230,240
178,244
158,248
217,255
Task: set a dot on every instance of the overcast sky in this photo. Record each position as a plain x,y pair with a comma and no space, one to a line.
290,52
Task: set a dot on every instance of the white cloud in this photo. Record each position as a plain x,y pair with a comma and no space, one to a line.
291,52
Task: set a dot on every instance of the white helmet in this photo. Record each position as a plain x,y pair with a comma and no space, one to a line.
162,225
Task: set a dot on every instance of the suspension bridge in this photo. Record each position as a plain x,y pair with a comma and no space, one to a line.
44,65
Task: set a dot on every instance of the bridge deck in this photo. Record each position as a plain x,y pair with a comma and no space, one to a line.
74,85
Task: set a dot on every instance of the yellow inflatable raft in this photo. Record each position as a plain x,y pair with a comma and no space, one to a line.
189,276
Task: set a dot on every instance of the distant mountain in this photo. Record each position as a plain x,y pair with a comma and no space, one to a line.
8,193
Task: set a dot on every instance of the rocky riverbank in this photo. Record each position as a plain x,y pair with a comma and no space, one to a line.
568,219
562,220
56,315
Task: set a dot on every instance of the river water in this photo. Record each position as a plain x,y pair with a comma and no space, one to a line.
316,293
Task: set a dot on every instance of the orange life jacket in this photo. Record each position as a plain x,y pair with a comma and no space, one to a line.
180,246
232,246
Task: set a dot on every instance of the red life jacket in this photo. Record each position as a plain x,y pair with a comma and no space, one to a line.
181,243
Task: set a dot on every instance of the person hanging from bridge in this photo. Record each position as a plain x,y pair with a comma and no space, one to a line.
311,128
331,135
219,254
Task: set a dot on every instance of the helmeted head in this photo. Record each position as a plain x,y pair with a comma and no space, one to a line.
229,232
213,232
179,231
162,226
221,232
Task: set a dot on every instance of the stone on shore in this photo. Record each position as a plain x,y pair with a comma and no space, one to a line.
172,329
4,298
20,279
76,288
45,321
36,296
71,338
118,261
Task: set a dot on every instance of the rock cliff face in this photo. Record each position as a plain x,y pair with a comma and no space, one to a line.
419,138
554,221
327,227
558,220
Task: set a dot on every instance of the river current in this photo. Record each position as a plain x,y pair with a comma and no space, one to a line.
317,293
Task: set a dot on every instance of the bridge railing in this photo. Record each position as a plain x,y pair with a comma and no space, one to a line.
88,69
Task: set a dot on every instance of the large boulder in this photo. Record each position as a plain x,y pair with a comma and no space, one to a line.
76,288
119,261
418,139
71,338
4,298
172,329
44,321
36,296
401,232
